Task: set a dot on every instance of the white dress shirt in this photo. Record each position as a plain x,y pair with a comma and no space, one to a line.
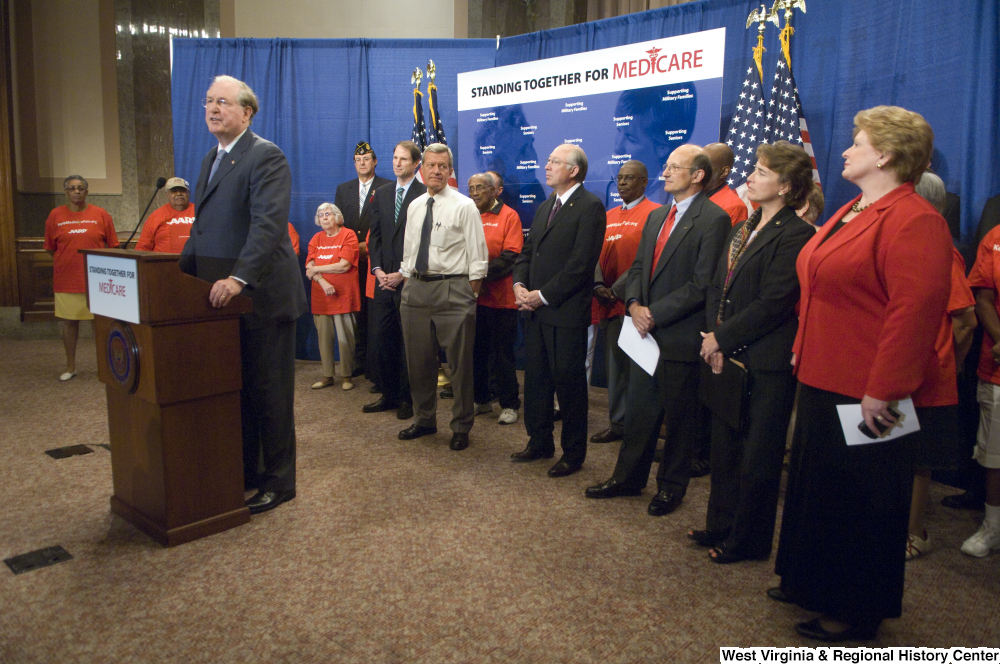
458,244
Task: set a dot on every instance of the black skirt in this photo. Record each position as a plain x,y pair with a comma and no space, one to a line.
843,532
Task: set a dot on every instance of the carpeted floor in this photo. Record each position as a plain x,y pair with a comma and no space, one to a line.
398,552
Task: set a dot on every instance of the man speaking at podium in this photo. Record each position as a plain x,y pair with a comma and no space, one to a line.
239,241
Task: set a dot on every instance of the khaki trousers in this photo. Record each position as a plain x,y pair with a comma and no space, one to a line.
339,328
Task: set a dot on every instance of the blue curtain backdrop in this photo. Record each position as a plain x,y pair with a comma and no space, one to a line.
320,97
847,55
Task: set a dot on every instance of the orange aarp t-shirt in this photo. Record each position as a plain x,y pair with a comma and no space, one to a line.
986,274
66,232
503,233
621,243
327,250
166,230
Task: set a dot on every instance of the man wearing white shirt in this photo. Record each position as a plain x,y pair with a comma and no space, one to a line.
444,262
553,285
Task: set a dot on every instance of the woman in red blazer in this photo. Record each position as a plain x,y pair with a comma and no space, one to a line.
874,288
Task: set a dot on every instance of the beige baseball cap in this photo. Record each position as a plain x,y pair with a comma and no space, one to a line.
173,183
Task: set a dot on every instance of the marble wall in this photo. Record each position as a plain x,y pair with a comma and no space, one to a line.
143,29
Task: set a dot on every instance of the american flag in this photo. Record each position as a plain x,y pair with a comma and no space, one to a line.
746,131
785,121
437,128
419,130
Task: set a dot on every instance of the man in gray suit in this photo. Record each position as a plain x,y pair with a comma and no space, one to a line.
667,284
239,241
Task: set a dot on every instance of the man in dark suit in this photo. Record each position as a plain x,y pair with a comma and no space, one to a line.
388,223
354,199
680,246
239,241
554,282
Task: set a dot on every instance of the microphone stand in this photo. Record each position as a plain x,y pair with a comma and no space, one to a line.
159,185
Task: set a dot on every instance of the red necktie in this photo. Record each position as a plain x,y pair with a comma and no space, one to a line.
662,239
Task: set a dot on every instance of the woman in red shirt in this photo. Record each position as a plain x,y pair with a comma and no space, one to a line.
69,228
332,266
875,283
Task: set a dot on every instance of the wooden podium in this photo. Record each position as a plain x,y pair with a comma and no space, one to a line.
171,364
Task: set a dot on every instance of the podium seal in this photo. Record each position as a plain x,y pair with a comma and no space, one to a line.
123,356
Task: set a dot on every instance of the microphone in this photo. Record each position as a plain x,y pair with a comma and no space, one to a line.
160,183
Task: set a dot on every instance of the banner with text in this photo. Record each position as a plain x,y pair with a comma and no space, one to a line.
639,101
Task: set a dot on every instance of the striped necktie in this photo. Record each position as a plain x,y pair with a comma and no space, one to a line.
399,202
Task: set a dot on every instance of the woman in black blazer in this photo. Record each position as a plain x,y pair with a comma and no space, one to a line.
751,319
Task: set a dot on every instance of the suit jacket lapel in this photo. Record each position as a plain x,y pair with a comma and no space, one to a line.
683,226
563,211
765,236
404,206
228,162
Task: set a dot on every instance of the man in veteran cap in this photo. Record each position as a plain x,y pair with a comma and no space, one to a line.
354,199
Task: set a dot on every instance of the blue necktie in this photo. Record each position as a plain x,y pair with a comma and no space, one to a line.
215,164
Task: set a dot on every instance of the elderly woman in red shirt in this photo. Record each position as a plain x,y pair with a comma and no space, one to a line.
332,266
875,284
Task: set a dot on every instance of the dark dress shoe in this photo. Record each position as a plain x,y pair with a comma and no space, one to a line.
606,436
379,406
405,411
564,468
459,441
528,454
447,393
664,503
264,501
374,389
779,595
707,537
970,500
610,489
722,554
815,630
700,468
416,431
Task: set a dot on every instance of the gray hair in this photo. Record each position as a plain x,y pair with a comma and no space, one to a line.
931,187
246,96
69,179
578,158
332,208
440,148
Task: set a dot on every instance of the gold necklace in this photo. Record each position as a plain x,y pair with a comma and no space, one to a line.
856,207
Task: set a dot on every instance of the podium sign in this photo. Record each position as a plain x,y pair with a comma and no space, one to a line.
113,287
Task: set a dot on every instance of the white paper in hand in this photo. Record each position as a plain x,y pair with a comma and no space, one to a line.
644,352
850,416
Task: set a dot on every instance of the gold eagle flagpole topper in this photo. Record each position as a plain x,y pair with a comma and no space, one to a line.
761,16
415,81
788,30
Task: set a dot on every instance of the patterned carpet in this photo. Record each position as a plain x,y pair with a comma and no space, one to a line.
398,552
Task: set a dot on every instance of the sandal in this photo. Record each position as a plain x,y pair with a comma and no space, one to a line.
706,537
721,554
917,546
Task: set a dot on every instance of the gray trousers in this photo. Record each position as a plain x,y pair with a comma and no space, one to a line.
619,367
440,314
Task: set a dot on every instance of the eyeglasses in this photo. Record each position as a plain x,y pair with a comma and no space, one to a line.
673,168
556,162
476,188
76,188
220,102
627,178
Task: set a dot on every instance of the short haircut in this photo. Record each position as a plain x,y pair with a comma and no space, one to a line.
412,148
701,162
793,166
332,208
578,158
490,180
643,171
441,148
905,135
497,178
246,96
817,203
931,187
69,179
